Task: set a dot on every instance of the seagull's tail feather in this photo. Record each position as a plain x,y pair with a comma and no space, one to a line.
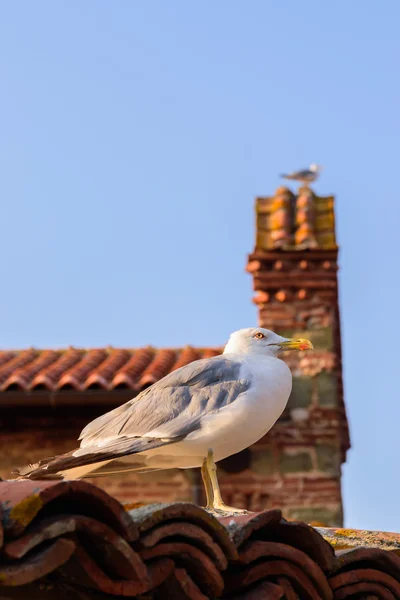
85,462
29,471
287,176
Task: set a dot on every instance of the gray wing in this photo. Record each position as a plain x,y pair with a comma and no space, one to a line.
303,174
163,414
172,407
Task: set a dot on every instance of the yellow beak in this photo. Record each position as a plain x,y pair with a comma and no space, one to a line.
300,344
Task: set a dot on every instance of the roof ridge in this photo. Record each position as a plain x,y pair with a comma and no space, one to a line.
109,348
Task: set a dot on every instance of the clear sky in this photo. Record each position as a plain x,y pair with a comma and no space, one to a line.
134,136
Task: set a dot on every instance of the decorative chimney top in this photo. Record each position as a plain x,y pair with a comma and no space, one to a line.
286,221
294,271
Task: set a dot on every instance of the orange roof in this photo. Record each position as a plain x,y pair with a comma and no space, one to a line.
102,368
289,222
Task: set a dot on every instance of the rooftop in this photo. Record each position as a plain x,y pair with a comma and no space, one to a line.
101,368
71,540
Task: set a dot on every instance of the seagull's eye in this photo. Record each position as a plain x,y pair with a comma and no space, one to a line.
259,335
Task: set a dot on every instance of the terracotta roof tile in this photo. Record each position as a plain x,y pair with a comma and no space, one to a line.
160,366
195,560
193,532
289,222
42,562
254,551
152,518
128,376
48,378
6,356
88,541
368,571
23,376
209,352
22,502
104,373
109,574
76,376
180,585
16,361
187,356
102,368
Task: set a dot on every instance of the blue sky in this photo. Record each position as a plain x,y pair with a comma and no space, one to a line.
134,137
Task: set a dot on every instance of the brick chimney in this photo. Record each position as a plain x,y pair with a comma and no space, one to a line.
297,465
294,269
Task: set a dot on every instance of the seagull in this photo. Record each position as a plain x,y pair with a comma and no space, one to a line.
194,417
305,175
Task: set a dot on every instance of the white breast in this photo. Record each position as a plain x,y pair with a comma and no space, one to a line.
251,415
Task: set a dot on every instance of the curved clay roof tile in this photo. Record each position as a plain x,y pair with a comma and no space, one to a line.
129,374
49,377
186,356
210,352
103,375
159,367
76,376
20,360
23,376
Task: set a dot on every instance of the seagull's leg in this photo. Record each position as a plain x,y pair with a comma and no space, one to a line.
207,485
217,503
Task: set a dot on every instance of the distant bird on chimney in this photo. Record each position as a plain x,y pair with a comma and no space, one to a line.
305,175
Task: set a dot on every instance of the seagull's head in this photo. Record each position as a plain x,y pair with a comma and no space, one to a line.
263,342
315,168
